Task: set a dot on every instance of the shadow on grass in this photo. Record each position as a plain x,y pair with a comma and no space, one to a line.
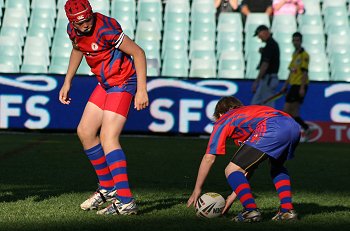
306,209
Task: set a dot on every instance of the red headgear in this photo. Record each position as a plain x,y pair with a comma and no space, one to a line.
78,10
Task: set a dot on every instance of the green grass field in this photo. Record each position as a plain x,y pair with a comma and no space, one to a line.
45,177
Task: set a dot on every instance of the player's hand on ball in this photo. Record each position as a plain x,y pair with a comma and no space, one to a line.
194,197
229,202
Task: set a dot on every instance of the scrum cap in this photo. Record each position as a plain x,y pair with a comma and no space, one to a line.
78,10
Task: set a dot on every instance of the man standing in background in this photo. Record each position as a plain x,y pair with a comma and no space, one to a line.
267,80
298,80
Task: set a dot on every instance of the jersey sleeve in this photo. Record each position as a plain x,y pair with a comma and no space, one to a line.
217,141
114,34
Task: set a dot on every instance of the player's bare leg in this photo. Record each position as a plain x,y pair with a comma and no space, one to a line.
88,128
89,125
111,129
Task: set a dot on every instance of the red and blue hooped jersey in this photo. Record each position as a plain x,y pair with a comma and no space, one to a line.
239,124
111,66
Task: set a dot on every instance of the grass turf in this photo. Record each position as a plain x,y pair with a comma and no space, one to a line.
44,178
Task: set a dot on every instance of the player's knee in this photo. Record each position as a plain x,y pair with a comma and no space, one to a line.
231,167
84,132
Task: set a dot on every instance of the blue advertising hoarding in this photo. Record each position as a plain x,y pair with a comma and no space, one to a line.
176,105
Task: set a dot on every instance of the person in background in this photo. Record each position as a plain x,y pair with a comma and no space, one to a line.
256,6
267,80
262,133
119,65
225,6
288,7
297,82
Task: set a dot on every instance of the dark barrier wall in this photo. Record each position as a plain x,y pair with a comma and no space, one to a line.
176,105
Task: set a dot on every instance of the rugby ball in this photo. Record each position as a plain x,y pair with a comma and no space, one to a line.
210,205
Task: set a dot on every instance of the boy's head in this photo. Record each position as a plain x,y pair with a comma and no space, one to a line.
78,10
225,104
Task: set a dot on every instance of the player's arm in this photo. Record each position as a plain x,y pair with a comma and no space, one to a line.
204,168
74,61
131,48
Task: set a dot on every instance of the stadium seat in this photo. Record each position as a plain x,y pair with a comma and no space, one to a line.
231,65
36,47
230,20
338,30
6,68
34,69
153,67
312,7
153,54
59,65
342,76
12,52
283,22
175,54
306,19
174,67
60,4
84,68
150,10
254,20
251,69
202,46
203,33
147,30
101,6
124,10
128,28
45,4
14,60
173,41
43,32
319,76
19,4
15,17
10,41
18,32
203,68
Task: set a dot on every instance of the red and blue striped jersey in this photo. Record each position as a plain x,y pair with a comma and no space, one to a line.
238,124
111,66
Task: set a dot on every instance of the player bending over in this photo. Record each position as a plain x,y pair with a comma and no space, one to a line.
263,133
108,51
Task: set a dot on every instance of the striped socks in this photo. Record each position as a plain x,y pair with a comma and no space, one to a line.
98,161
117,164
282,185
240,186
